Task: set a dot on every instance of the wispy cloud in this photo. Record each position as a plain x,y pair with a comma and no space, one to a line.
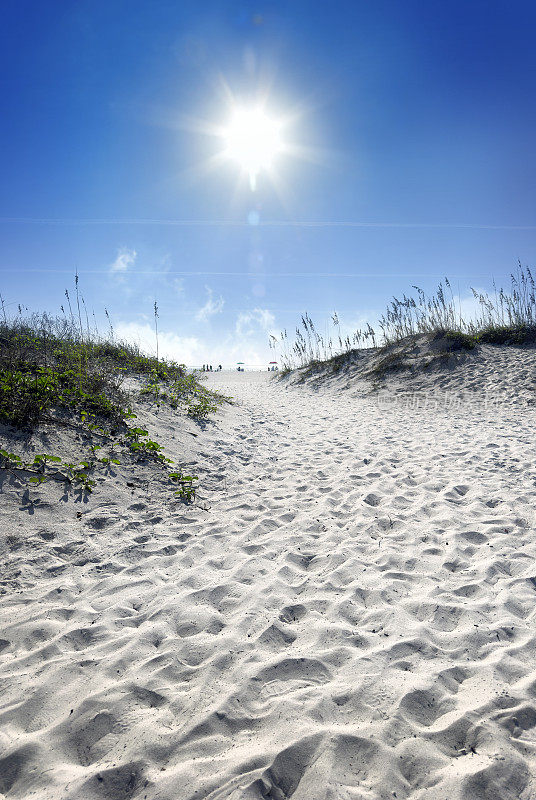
247,322
178,285
211,307
125,258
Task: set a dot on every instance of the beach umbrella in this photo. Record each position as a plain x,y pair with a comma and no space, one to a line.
240,362
273,362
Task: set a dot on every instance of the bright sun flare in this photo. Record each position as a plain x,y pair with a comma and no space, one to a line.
253,140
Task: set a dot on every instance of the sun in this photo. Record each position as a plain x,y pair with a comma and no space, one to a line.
253,140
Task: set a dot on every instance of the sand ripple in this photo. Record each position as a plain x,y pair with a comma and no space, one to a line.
349,613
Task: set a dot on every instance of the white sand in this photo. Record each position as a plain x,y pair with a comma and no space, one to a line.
348,612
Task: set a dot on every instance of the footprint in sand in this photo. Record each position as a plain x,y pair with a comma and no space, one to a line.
425,706
293,613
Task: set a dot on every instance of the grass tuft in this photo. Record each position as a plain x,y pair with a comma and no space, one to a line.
504,317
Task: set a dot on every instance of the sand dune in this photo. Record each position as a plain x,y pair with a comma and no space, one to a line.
348,612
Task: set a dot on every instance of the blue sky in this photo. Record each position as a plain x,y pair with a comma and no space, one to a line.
411,125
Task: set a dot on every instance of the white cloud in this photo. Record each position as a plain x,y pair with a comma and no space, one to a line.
211,307
252,348
247,322
183,349
125,259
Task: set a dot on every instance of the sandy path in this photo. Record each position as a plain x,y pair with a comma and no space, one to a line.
352,616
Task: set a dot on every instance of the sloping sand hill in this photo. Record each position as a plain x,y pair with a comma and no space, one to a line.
348,611
432,364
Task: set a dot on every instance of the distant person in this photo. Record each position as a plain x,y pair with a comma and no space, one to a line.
219,367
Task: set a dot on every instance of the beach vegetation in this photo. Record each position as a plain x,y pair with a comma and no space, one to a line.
502,317
392,362
59,371
182,390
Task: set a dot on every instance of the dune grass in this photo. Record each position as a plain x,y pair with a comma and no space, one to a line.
48,369
59,372
503,317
